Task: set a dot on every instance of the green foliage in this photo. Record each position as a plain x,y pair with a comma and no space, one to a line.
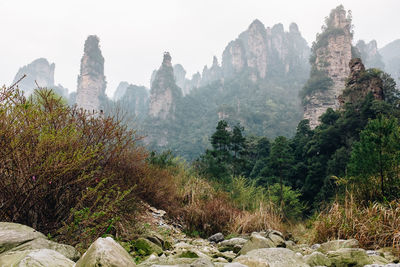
246,194
374,160
288,199
164,159
227,156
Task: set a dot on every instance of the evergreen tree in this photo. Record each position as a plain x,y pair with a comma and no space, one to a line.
374,159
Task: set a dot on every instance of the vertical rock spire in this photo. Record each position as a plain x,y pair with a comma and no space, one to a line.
332,52
91,80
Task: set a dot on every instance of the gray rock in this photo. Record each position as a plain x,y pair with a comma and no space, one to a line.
219,237
338,244
234,264
233,244
316,246
202,263
271,257
344,257
40,243
256,242
317,259
105,252
35,258
14,234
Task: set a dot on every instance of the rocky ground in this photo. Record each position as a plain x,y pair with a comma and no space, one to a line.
167,245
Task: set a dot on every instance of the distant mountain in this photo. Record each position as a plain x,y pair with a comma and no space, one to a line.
391,57
256,85
38,73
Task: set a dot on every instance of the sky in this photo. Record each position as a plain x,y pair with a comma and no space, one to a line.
134,34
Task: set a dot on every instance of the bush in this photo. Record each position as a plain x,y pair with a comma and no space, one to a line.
57,158
291,206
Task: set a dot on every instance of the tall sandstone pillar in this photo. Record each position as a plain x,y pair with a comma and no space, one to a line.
331,54
91,80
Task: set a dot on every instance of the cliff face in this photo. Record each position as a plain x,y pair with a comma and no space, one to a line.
331,53
91,80
360,83
41,71
391,57
134,101
369,54
211,74
164,92
266,52
120,91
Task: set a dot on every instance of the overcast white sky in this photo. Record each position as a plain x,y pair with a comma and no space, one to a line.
134,34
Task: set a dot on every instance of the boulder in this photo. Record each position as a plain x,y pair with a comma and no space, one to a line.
277,238
344,257
40,243
105,252
148,247
256,241
14,234
233,244
35,258
317,259
218,237
271,257
338,244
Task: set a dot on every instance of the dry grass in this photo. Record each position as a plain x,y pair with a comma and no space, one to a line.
266,217
374,226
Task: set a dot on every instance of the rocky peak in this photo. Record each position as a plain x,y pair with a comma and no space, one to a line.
293,28
211,74
369,54
360,83
120,91
331,54
164,91
338,18
38,72
266,51
167,60
91,80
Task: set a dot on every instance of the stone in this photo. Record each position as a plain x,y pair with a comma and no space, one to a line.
234,244
337,244
317,259
344,257
14,234
35,258
234,264
377,259
218,237
271,257
202,263
147,246
277,238
41,243
105,252
316,246
256,241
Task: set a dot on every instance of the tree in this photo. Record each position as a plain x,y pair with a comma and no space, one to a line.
281,162
238,147
374,159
